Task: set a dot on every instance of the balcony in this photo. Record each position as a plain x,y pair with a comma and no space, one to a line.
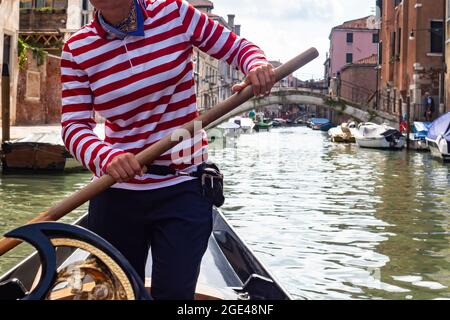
42,20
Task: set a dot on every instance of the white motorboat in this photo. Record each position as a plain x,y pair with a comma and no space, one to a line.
438,138
223,135
417,138
247,124
230,129
371,135
345,133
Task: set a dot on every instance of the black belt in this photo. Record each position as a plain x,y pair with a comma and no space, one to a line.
166,171
209,174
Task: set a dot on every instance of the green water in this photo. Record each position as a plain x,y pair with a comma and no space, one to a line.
22,197
330,221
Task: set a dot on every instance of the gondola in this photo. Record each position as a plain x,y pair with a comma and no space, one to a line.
73,263
229,271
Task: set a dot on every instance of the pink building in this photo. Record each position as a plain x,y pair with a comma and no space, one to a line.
350,42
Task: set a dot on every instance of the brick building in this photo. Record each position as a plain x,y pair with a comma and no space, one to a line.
45,24
411,59
358,81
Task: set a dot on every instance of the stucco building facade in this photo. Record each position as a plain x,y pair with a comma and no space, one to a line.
9,27
350,42
214,78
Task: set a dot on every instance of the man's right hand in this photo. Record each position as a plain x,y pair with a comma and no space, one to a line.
124,167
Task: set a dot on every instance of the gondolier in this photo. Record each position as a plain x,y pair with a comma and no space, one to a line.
132,65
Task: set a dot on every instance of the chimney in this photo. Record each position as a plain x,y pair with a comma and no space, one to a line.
237,29
231,20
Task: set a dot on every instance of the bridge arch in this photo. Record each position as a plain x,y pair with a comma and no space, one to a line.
283,96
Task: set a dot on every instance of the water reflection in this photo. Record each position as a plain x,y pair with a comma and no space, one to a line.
330,221
23,197
333,221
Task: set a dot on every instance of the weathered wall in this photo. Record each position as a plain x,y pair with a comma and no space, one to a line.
364,76
9,25
39,92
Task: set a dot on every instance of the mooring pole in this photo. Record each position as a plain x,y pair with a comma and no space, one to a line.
5,104
408,121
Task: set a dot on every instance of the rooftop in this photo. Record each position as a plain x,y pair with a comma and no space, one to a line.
373,59
201,3
368,22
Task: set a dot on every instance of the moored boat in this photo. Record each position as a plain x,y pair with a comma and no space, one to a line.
38,152
264,125
343,133
322,124
418,136
371,135
247,124
278,122
229,271
438,138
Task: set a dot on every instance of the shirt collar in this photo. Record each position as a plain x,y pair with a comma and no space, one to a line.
104,29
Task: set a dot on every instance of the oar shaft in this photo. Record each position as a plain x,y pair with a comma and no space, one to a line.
150,154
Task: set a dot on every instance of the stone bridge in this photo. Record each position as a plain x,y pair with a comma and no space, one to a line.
284,96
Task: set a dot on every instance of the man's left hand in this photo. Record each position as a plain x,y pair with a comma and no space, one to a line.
262,79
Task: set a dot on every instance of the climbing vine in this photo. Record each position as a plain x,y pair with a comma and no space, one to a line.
38,53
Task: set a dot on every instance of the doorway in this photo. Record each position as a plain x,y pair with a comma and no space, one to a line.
5,85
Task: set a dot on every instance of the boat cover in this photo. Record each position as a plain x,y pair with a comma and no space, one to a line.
421,130
440,127
229,126
316,121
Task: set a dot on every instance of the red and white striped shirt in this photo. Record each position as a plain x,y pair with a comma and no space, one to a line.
143,86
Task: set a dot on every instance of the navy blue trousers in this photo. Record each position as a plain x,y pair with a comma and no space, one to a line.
176,222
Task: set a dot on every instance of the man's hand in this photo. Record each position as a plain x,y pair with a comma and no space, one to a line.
124,167
262,78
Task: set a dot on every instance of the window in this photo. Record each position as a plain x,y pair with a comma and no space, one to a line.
60,4
26,4
392,46
57,4
399,42
349,58
43,3
448,9
349,37
380,53
380,5
436,37
376,37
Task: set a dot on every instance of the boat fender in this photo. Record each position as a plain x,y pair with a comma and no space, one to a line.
442,144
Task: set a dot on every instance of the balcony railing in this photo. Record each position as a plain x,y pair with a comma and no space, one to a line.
40,20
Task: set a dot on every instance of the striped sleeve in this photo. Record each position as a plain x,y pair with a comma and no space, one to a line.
77,118
219,42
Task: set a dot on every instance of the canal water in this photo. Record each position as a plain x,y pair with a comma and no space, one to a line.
330,221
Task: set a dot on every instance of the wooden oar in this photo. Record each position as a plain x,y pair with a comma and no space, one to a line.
153,152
